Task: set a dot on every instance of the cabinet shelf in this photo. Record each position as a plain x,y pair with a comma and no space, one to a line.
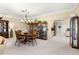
4,28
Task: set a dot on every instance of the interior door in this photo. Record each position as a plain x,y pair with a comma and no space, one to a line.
59,28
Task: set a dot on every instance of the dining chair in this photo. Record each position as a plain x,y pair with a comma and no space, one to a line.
31,37
19,37
34,37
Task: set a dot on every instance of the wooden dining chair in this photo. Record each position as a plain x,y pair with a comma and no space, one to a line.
34,36
31,37
19,37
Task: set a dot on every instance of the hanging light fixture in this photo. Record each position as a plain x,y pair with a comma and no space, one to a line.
26,16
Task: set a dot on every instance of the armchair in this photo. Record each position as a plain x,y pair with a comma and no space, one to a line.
3,42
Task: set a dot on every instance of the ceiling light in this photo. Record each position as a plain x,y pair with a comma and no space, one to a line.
26,15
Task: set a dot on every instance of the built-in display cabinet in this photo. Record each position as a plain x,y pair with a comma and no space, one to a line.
4,28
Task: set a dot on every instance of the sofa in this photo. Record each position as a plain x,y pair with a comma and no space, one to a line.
2,44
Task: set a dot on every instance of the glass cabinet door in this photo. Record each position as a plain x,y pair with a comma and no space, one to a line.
74,32
74,28
4,28
71,32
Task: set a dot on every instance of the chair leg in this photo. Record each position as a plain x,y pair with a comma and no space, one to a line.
36,42
18,43
32,42
15,42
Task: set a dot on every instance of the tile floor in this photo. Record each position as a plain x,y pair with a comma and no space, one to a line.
58,45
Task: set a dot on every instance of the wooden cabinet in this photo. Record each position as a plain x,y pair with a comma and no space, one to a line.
42,31
4,28
41,28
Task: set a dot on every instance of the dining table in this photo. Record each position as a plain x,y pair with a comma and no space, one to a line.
28,37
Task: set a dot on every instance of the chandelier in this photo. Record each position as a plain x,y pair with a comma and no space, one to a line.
26,16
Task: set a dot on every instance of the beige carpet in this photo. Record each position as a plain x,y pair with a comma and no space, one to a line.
58,45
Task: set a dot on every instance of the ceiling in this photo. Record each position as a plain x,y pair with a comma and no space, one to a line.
34,9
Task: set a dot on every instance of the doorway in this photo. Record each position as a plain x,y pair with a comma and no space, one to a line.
58,28
61,27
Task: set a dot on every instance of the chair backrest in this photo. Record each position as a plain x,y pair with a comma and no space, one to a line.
34,34
18,33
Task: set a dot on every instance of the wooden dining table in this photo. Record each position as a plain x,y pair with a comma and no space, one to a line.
28,37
